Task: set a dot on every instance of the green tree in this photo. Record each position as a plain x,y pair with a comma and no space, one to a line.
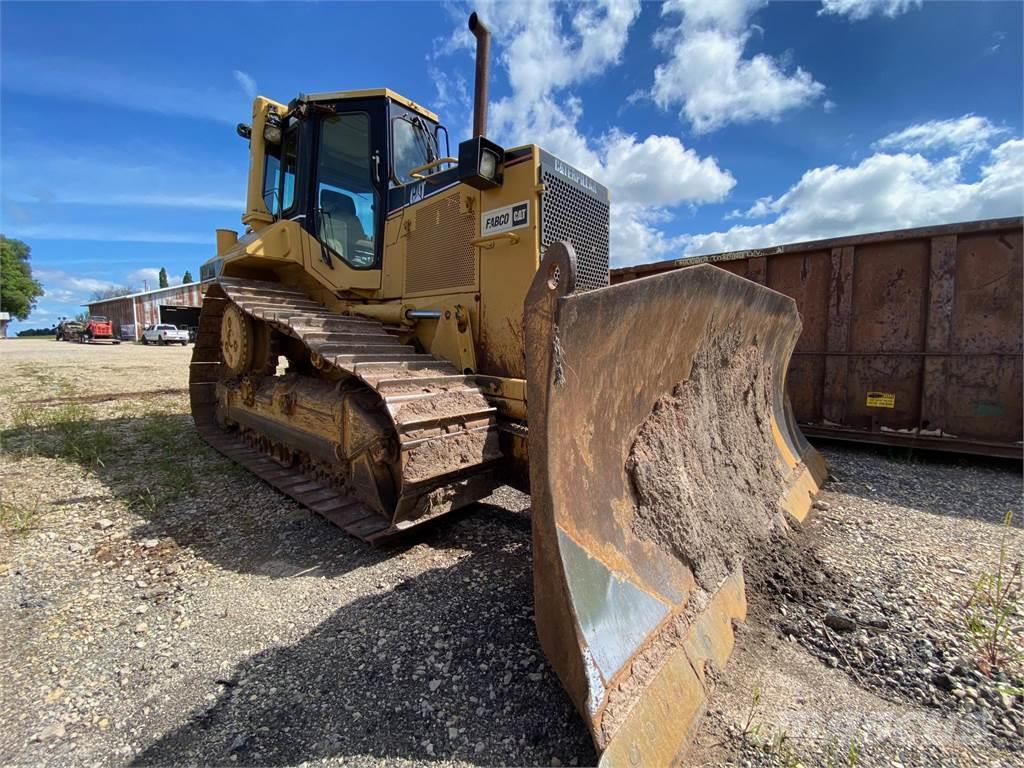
18,291
186,278
163,278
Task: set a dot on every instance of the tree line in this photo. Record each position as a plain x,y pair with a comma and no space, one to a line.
116,291
20,291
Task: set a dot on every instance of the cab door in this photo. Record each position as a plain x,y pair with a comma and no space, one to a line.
347,201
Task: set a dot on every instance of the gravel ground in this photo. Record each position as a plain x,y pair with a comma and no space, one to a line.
162,606
857,638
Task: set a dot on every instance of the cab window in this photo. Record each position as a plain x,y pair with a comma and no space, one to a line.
279,172
272,180
346,195
411,146
289,161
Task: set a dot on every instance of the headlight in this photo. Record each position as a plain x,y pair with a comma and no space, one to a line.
481,163
272,134
488,164
272,128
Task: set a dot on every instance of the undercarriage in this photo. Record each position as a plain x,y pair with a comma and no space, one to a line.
336,412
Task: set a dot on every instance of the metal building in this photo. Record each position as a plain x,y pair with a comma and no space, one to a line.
178,305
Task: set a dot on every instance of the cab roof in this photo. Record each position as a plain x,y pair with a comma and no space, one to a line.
368,92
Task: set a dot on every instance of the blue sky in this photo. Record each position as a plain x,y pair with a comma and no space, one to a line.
717,124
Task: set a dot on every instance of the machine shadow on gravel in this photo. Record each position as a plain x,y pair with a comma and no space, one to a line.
189,494
444,665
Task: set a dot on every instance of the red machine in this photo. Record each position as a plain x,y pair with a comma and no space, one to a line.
98,328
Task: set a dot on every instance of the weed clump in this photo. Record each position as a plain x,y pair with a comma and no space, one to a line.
18,517
989,613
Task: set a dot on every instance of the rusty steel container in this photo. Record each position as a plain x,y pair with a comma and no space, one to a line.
910,337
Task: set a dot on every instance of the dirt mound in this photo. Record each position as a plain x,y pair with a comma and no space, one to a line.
704,468
786,566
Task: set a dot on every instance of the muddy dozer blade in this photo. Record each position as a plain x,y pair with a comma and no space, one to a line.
661,453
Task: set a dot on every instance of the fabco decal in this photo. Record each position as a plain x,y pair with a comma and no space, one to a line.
510,217
416,193
575,176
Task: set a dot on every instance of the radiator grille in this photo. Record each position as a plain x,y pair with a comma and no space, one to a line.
569,213
439,257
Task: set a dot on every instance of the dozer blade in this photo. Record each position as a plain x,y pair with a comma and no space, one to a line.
661,452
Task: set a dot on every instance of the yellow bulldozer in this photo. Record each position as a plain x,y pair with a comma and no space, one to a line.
399,331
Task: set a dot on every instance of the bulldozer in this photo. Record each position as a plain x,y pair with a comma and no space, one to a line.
400,330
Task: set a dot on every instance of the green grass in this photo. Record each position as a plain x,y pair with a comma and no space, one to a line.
145,502
145,455
18,517
23,416
163,429
64,431
78,437
778,747
33,371
989,613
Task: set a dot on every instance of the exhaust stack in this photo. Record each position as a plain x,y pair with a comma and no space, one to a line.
483,66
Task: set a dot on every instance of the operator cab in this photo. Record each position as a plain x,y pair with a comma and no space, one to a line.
339,163
333,160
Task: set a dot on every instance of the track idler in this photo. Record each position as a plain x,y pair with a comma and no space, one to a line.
662,452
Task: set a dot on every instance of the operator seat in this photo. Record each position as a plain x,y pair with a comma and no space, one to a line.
342,230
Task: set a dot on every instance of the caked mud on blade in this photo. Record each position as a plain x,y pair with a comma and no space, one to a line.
661,450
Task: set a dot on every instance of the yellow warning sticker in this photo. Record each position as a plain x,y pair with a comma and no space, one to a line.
881,400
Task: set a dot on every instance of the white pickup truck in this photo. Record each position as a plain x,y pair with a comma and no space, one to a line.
164,333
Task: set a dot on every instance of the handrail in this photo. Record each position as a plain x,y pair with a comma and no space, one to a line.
417,172
489,241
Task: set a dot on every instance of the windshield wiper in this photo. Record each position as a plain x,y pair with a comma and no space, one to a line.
425,139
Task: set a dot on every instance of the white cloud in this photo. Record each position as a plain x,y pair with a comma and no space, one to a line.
60,295
56,231
174,200
134,175
858,10
884,191
98,83
969,135
65,293
246,83
727,15
151,276
637,235
709,79
65,285
545,55
660,171
997,43
452,98
451,90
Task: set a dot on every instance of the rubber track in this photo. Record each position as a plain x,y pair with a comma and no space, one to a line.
428,398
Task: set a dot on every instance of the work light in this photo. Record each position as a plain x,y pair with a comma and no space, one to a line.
481,163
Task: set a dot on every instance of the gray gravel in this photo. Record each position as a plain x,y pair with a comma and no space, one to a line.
227,624
857,628
166,607
899,627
